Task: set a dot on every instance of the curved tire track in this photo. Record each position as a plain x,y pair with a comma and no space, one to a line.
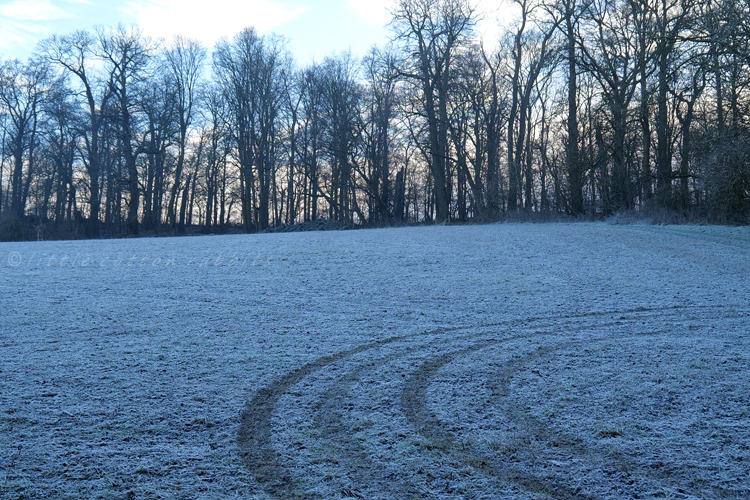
280,480
254,436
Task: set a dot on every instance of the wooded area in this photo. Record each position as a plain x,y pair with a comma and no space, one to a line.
588,107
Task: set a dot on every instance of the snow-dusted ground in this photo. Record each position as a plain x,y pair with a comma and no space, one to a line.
501,361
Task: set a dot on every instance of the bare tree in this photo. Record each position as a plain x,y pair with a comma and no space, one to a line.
22,90
311,138
77,54
532,53
340,102
61,131
380,95
430,34
476,118
159,104
611,57
185,59
569,12
127,53
250,71
671,17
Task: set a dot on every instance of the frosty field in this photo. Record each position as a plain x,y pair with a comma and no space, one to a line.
530,361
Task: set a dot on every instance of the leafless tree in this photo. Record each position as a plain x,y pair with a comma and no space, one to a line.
77,54
431,33
22,90
185,59
127,53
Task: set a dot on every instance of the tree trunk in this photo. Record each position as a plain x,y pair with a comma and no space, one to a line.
664,158
575,175
17,208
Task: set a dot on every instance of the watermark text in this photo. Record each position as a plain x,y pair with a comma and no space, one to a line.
39,260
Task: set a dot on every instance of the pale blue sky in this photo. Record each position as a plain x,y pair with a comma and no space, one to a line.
314,28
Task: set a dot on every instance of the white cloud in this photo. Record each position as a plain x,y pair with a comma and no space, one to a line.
494,18
24,22
32,10
13,35
494,15
374,12
208,21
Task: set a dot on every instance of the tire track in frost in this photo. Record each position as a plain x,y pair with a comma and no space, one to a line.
256,426
256,422
414,403
337,432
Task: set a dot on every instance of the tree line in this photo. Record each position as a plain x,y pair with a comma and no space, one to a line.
586,107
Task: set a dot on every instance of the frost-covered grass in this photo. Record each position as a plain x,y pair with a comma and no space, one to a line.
500,361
